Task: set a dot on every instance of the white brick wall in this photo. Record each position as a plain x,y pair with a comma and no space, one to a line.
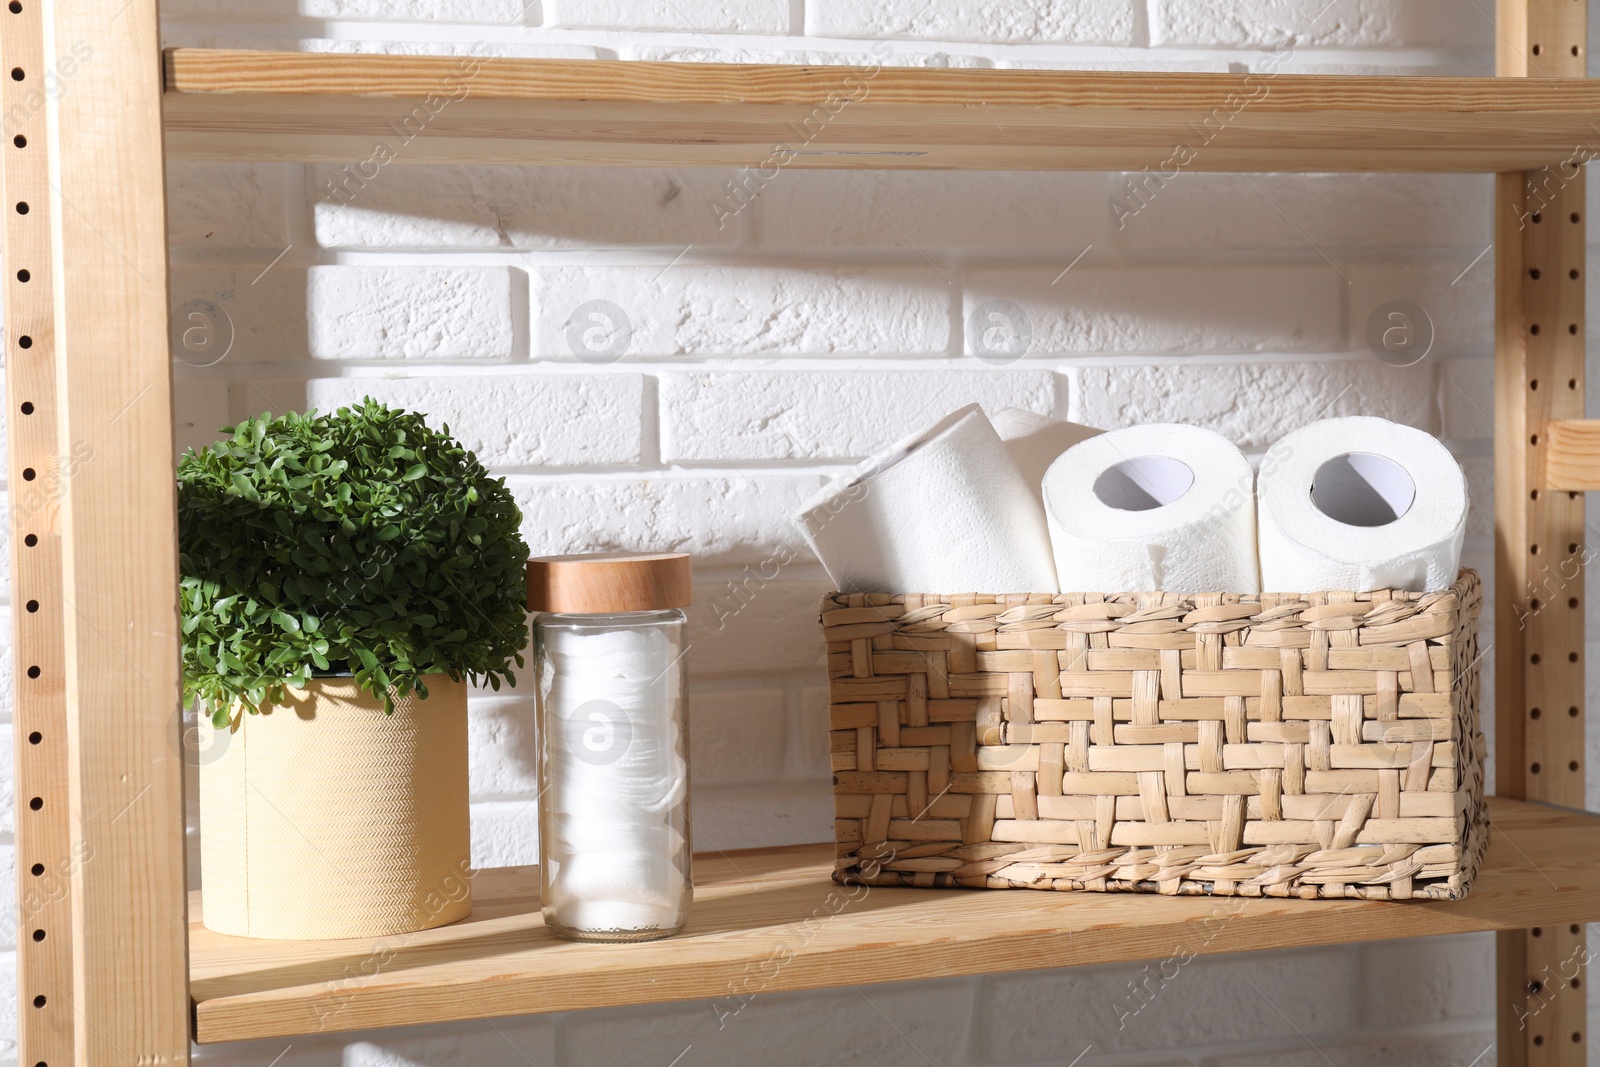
739,357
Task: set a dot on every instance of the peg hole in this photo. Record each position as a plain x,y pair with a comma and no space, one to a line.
1572,657
1535,987
1537,216
29,474
1534,713
38,935
22,207
1575,217
1572,328
1573,766
1572,383
20,141
1533,494
17,74
24,275
1537,931
1572,546
35,737
1537,49
1534,439
37,803
1572,601
1538,1039
1535,604
1534,659
32,606
1573,713
1534,273
1535,768
1577,1037
27,407
1573,273
1533,550
39,1001
33,672
31,540
1534,382
36,870
16,7
1534,329
25,341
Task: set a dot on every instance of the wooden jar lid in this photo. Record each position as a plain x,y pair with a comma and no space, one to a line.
605,584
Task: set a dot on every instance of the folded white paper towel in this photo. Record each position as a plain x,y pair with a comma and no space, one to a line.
1360,503
1035,441
1158,507
942,511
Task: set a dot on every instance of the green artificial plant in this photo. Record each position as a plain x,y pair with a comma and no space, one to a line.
361,541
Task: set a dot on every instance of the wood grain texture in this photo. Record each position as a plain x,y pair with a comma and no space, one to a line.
600,583
43,839
1572,460
429,109
1539,530
119,537
771,920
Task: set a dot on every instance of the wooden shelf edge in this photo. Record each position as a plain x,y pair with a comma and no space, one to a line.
336,107
770,920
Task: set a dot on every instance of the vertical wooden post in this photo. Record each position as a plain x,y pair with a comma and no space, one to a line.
129,997
43,843
1539,543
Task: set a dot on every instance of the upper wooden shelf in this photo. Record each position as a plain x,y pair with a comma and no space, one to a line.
323,107
771,920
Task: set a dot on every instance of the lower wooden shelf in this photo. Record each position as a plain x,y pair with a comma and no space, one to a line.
770,919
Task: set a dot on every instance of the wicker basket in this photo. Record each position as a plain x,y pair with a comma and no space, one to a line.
1305,745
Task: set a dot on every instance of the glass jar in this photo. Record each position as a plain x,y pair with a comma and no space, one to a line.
614,836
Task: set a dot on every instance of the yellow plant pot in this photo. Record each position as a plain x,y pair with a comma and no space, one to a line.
326,818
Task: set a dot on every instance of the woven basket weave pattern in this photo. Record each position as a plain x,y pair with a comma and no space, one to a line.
1306,745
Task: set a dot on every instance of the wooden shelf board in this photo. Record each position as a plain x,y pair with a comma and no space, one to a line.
326,107
771,920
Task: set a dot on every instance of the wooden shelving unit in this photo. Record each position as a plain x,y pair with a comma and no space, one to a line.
335,108
105,979
770,920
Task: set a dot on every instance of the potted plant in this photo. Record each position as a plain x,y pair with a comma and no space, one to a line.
343,576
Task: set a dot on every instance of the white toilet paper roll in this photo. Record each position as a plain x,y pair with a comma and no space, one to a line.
1159,507
1360,503
943,511
1036,441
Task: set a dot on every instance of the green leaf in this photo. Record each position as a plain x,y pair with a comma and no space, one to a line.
363,537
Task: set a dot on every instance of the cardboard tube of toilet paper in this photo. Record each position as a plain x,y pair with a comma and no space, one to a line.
1147,508
1360,503
1035,441
942,511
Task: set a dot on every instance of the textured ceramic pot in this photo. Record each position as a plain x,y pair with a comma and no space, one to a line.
327,818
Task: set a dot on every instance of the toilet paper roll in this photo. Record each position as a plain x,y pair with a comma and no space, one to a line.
1357,504
1036,441
943,511
1158,507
